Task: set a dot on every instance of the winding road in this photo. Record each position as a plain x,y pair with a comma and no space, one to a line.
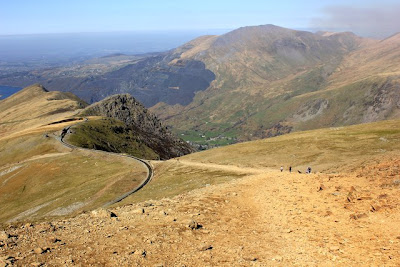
150,171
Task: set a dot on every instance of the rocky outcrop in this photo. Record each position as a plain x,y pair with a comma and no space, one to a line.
146,125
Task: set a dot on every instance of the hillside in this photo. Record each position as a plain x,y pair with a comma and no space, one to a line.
251,83
131,119
232,206
40,177
271,81
34,106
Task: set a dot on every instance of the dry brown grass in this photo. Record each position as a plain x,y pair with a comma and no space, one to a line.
326,150
32,107
40,177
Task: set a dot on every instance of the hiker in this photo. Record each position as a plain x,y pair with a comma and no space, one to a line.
308,170
281,168
290,168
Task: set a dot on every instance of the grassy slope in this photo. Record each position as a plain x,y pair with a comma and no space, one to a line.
36,171
33,107
327,150
38,175
330,150
109,135
173,178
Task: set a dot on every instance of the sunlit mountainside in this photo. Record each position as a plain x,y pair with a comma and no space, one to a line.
226,205
42,177
74,193
250,83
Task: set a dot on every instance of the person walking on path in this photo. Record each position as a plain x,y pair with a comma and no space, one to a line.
281,168
290,168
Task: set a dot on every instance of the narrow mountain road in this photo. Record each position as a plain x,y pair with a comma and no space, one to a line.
147,165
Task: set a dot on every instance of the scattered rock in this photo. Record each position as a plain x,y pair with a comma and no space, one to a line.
138,211
350,197
353,189
364,198
194,225
328,213
334,248
358,216
206,247
375,208
4,235
37,264
100,213
277,258
113,215
7,260
54,239
38,250
250,258
321,187
288,231
148,205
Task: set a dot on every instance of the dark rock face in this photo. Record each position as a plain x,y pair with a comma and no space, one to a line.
147,126
154,80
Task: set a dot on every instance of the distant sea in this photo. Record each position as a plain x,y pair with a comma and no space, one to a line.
6,91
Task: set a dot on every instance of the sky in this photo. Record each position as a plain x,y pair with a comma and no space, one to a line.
67,16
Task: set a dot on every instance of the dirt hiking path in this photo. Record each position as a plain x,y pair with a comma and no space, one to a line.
264,219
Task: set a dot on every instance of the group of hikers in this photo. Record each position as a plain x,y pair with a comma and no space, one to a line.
290,169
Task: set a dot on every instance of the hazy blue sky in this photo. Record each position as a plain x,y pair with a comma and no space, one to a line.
61,16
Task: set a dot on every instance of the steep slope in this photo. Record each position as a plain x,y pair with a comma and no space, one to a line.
141,125
35,106
255,56
260,71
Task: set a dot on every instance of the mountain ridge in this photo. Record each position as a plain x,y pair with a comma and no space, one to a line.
256,82
146,128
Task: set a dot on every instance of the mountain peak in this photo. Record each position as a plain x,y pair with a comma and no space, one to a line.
146,125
